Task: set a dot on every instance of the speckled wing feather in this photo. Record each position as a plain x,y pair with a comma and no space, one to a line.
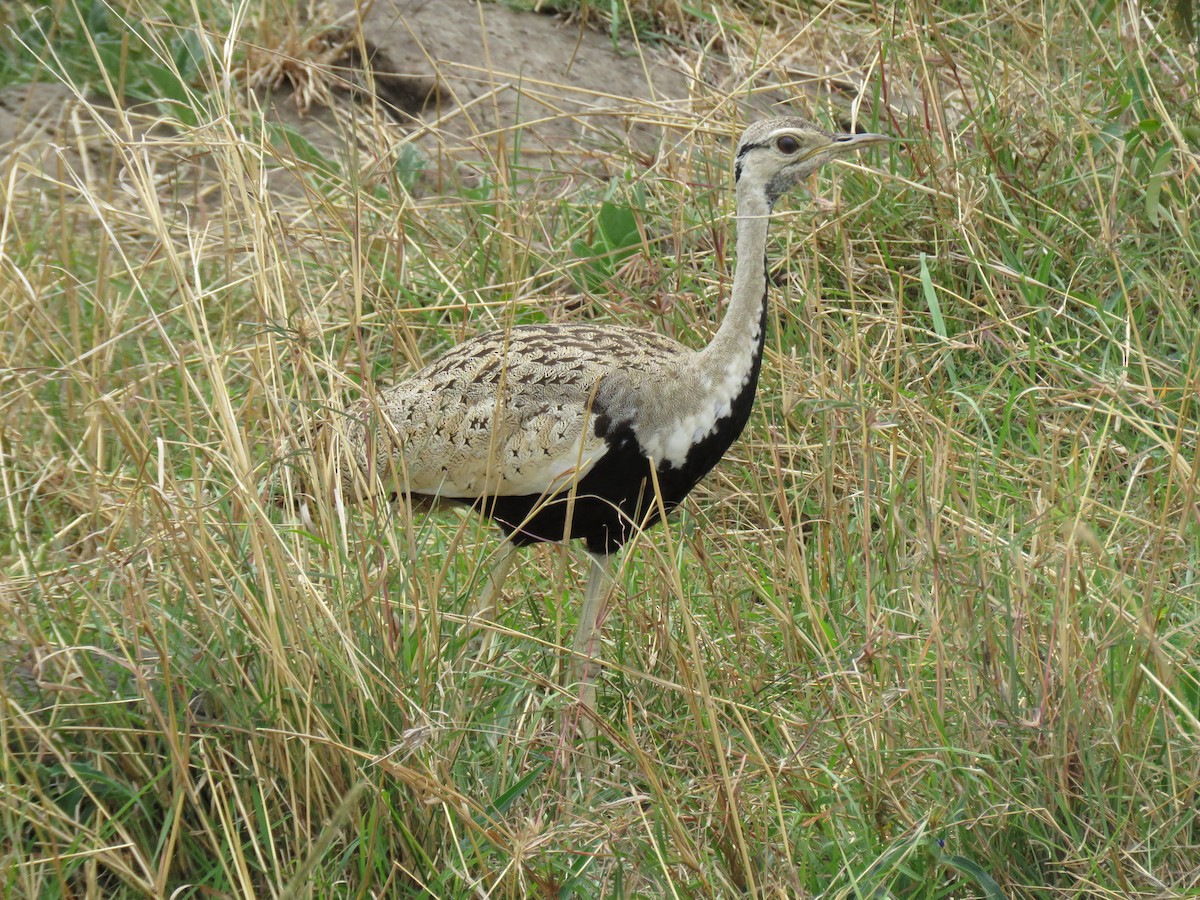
508,413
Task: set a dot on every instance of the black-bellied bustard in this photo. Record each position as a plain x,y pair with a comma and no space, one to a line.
581,430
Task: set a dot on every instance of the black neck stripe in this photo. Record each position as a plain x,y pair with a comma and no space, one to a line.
741,154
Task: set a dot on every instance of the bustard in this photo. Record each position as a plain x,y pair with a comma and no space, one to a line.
580,430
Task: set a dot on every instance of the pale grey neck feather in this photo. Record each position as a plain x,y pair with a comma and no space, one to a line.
736,340
721,370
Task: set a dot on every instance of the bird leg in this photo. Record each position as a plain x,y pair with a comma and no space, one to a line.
484,611
587,639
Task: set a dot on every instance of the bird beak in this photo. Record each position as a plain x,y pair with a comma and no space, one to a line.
843,142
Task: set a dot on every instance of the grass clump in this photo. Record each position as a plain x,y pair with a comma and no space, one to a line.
929,631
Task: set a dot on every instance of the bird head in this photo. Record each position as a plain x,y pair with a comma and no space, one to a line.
776,154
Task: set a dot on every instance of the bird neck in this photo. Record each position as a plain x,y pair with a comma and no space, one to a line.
740,336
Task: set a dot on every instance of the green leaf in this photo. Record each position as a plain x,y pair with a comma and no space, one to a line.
501,804
974,871
935,312
1158,174
618,226
98,20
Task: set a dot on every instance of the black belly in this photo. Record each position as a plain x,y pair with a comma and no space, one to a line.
608,504
617,496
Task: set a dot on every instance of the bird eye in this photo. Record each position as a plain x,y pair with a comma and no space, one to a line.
787,144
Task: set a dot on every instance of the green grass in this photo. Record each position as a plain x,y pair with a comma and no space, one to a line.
929,631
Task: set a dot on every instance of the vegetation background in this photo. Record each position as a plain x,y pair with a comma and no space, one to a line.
931,630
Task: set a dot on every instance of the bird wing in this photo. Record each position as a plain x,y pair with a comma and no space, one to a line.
504,414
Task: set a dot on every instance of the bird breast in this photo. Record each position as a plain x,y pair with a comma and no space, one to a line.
697,408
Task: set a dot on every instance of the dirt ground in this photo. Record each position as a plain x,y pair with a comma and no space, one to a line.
464,75
472,87
467,69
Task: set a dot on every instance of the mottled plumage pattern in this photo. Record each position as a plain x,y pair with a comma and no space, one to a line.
510,413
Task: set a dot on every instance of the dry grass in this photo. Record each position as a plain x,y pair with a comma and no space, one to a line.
930,631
